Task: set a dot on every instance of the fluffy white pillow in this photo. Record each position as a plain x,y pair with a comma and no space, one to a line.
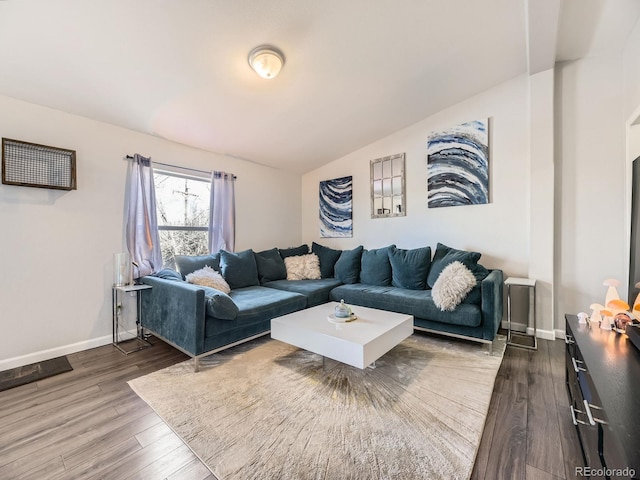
208,277
303,267
452,286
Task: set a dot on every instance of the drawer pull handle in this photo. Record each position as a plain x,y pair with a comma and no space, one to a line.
588,411
573,416
576,367
596,419
568,339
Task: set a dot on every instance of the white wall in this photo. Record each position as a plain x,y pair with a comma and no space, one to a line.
499,230
56,247
592,216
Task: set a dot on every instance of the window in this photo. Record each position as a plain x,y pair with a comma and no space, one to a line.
182,203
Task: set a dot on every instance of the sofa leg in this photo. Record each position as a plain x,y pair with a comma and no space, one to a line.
196,364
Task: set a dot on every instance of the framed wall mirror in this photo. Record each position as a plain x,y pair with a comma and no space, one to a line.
387,187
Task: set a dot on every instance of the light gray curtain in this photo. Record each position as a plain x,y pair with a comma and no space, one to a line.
141,224
222,216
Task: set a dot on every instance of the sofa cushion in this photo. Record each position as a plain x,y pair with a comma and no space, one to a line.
293,251
409,268
303,267
444,256
239,269
257,306
347,268
186,264
452,286
375,266
258,303
316,291
218,304
208,277
418,303
270,266
328,258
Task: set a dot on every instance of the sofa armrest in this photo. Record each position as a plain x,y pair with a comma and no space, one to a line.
175,311
492,308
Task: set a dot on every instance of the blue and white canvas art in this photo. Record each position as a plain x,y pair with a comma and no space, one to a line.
336,214
458,165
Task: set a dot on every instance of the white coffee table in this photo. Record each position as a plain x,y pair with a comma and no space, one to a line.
358,343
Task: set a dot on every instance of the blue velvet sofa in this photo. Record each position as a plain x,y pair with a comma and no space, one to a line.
201,321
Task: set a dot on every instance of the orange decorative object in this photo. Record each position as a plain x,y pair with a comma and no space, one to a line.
618,304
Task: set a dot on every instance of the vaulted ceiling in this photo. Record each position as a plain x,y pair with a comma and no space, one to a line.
355,71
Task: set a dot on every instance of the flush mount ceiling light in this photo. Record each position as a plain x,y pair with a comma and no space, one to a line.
267,61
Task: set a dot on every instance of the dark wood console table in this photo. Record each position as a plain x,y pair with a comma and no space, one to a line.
603,381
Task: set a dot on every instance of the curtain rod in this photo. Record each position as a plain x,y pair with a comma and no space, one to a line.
130,157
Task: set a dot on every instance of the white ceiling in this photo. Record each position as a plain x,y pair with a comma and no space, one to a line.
355,71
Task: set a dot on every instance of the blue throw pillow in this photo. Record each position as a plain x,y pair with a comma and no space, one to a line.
445,255
409,268
169,274
270,266
376,266
347,268
186,264
239,269
294,251
328,258
219,305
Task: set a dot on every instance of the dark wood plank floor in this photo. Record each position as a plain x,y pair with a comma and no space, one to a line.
88,424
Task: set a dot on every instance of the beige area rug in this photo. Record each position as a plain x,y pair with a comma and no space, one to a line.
267,410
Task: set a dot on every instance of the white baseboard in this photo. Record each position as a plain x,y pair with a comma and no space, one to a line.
53,353
560,333
521,327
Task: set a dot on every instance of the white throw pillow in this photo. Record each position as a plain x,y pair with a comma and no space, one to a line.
452,286
208,277
303,267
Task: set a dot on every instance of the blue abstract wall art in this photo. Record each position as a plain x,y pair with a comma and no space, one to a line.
458,165
336,208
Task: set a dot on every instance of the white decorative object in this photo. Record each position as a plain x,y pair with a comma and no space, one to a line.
208,277
595,313
612,292
582,317
303,267
121,269
452,286
333,319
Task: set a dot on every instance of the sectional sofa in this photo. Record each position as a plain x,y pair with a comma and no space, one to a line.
201,320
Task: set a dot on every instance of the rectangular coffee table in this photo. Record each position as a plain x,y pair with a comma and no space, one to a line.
358,343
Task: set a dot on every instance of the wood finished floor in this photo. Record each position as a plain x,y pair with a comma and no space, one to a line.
88,424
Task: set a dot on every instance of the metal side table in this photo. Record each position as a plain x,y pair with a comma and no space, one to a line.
139,339
531,285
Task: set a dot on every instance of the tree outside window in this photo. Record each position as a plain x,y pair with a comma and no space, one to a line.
183,215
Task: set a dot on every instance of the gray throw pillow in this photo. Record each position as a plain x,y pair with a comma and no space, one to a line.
239,269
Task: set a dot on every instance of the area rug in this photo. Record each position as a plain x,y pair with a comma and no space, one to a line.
267,410
34,372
